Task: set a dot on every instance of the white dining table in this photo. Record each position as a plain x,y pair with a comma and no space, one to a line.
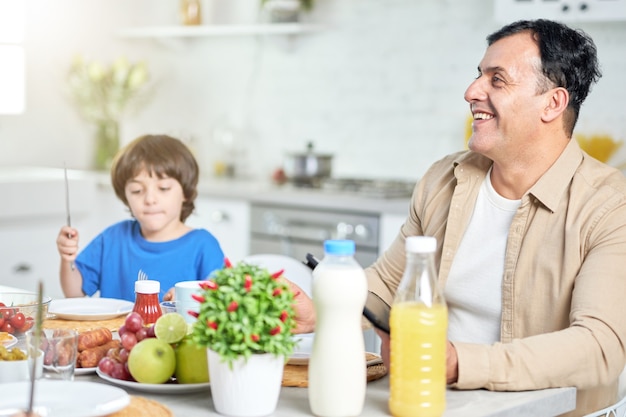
294,402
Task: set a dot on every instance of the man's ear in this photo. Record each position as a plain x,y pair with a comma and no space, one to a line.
558,99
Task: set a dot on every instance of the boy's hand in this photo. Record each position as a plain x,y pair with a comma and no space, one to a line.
169,295
67,243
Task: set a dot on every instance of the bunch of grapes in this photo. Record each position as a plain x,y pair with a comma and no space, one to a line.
115,363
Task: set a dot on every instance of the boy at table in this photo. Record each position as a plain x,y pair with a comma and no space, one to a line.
531,230
156,177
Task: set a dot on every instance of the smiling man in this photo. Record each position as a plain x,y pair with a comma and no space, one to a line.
531,230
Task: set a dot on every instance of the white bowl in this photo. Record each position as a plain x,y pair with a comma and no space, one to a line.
14,371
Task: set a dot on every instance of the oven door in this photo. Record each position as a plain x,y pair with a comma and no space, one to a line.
296,231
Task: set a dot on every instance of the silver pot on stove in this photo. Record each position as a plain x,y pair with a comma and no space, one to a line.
308,168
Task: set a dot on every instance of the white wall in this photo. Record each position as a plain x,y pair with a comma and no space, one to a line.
381,88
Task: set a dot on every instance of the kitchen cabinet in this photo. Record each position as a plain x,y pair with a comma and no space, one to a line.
563,10
30,221
105,210
228,220
29,254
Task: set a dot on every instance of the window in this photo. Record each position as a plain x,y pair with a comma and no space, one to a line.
12,59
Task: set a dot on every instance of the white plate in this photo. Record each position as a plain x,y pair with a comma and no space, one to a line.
302,350
168,388
299,359
10,341
64,398
85,371
89,308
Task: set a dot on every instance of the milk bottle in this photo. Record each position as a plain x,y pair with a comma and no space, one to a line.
337,369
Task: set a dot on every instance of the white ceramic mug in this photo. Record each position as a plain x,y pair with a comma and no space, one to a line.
184,302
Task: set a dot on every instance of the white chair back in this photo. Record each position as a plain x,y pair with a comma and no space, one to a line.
295,271
616,410
298,273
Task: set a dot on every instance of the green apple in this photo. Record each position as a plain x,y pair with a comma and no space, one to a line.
152,361
191,363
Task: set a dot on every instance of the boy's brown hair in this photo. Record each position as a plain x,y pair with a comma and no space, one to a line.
159,155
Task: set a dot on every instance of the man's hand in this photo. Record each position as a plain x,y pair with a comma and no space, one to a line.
384,347
169,295
452,364
305,310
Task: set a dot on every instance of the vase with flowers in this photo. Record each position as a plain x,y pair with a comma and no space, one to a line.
245,321
102,94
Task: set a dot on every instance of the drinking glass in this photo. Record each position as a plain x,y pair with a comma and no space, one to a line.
60,347
168,307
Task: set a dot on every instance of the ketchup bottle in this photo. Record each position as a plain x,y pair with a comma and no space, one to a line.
147,300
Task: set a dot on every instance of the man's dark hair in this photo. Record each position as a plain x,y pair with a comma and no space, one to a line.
568,59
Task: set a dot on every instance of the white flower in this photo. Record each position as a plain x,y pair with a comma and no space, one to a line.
138,76
95,72
104,93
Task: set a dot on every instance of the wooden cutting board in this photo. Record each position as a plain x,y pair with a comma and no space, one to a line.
84,325
143,407
298,375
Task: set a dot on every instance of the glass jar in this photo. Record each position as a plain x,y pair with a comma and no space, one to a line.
190,12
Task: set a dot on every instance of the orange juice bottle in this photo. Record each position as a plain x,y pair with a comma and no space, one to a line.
418,322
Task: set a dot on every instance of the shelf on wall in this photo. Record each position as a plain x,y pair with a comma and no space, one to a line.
168,32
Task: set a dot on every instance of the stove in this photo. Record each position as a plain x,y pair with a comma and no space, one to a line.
376,188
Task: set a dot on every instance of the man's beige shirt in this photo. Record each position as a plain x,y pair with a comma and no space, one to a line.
563,317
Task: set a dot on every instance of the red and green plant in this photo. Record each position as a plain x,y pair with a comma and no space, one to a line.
245,309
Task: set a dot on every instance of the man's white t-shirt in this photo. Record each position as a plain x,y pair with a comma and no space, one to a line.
473,291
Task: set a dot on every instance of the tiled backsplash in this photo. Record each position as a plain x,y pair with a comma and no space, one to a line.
381,86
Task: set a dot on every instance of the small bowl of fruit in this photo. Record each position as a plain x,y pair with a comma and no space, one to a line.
18,311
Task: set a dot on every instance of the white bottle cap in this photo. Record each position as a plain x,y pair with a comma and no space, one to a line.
421,244
147,286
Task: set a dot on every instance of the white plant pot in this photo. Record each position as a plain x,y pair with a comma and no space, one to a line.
250,389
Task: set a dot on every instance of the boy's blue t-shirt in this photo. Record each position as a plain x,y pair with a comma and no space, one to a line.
111,262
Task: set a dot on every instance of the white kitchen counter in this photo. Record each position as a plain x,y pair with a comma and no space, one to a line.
288,195
252,191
